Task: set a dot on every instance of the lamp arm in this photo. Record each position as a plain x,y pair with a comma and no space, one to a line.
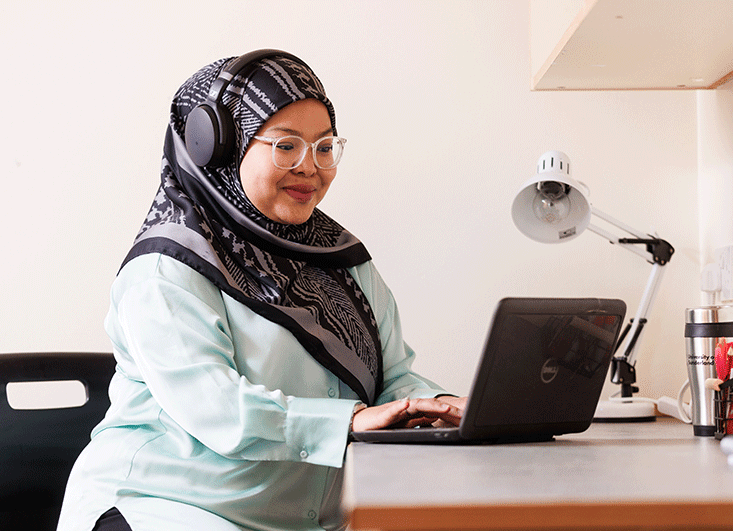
616,223
657,251
623,370
629,352
613,239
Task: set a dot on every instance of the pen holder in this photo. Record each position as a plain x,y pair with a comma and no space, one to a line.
723,413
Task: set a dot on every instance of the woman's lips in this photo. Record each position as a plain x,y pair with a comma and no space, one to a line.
300,192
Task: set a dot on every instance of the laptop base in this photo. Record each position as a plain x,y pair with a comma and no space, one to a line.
428,435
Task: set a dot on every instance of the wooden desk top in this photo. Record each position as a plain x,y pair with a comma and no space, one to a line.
655,475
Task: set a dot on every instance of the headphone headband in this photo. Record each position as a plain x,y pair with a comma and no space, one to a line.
237,66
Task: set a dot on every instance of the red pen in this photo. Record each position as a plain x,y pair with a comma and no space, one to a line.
722,361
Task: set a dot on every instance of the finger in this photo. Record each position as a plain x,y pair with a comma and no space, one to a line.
459,402
450,416
428,406
436,410
450,420
409,420
430,420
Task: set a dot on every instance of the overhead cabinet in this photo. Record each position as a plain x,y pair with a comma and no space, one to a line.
631,44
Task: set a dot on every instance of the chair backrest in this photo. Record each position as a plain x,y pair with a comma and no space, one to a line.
38,447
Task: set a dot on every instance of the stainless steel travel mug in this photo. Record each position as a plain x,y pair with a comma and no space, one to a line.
704,327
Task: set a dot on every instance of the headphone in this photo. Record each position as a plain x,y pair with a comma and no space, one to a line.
210,132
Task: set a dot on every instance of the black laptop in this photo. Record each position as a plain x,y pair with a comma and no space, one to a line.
540,375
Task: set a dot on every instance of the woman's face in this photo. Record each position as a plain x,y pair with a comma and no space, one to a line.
288,196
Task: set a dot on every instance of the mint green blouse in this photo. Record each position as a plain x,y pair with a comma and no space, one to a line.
220,420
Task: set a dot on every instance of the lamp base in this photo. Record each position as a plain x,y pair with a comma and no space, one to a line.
624,411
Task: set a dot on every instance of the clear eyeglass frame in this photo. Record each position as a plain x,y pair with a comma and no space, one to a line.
285,161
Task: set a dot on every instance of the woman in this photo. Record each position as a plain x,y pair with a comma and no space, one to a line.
251,331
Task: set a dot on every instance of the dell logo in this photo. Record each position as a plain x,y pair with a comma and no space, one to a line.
549,370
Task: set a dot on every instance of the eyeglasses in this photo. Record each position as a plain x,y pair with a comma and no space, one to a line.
288,152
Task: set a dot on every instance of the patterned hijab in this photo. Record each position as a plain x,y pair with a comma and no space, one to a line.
293,275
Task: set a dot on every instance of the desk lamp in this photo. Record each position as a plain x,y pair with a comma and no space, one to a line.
552,207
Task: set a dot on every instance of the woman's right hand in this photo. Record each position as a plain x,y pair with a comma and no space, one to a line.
406,413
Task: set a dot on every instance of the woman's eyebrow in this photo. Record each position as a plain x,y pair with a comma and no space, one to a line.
284,130
326,132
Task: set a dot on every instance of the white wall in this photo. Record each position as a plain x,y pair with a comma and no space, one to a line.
434,99
715,170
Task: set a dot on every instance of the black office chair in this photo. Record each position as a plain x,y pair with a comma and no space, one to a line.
39,446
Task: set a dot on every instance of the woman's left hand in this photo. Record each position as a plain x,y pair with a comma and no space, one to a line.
407,413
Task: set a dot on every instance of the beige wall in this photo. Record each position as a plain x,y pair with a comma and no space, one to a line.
434,99
715,170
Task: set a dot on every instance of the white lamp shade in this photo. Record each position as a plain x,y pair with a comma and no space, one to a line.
552,167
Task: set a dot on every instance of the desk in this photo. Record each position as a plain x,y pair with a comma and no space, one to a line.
654,475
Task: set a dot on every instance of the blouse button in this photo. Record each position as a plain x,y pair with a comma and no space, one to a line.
303,454
332,392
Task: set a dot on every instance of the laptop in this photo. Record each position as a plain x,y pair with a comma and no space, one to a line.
540,375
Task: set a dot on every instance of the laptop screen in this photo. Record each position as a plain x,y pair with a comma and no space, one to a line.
545,367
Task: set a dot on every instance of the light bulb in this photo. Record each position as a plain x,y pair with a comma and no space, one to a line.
551,204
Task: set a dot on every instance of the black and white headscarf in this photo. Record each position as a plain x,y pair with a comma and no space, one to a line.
293,275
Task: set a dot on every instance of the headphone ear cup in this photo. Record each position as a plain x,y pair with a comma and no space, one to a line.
209,135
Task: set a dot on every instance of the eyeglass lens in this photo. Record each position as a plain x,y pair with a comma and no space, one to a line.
289,151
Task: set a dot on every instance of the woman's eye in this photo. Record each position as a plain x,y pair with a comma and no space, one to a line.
285,146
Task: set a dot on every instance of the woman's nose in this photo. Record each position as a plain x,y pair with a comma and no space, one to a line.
307,166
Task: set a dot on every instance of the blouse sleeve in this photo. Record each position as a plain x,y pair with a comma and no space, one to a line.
177,341
400,381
